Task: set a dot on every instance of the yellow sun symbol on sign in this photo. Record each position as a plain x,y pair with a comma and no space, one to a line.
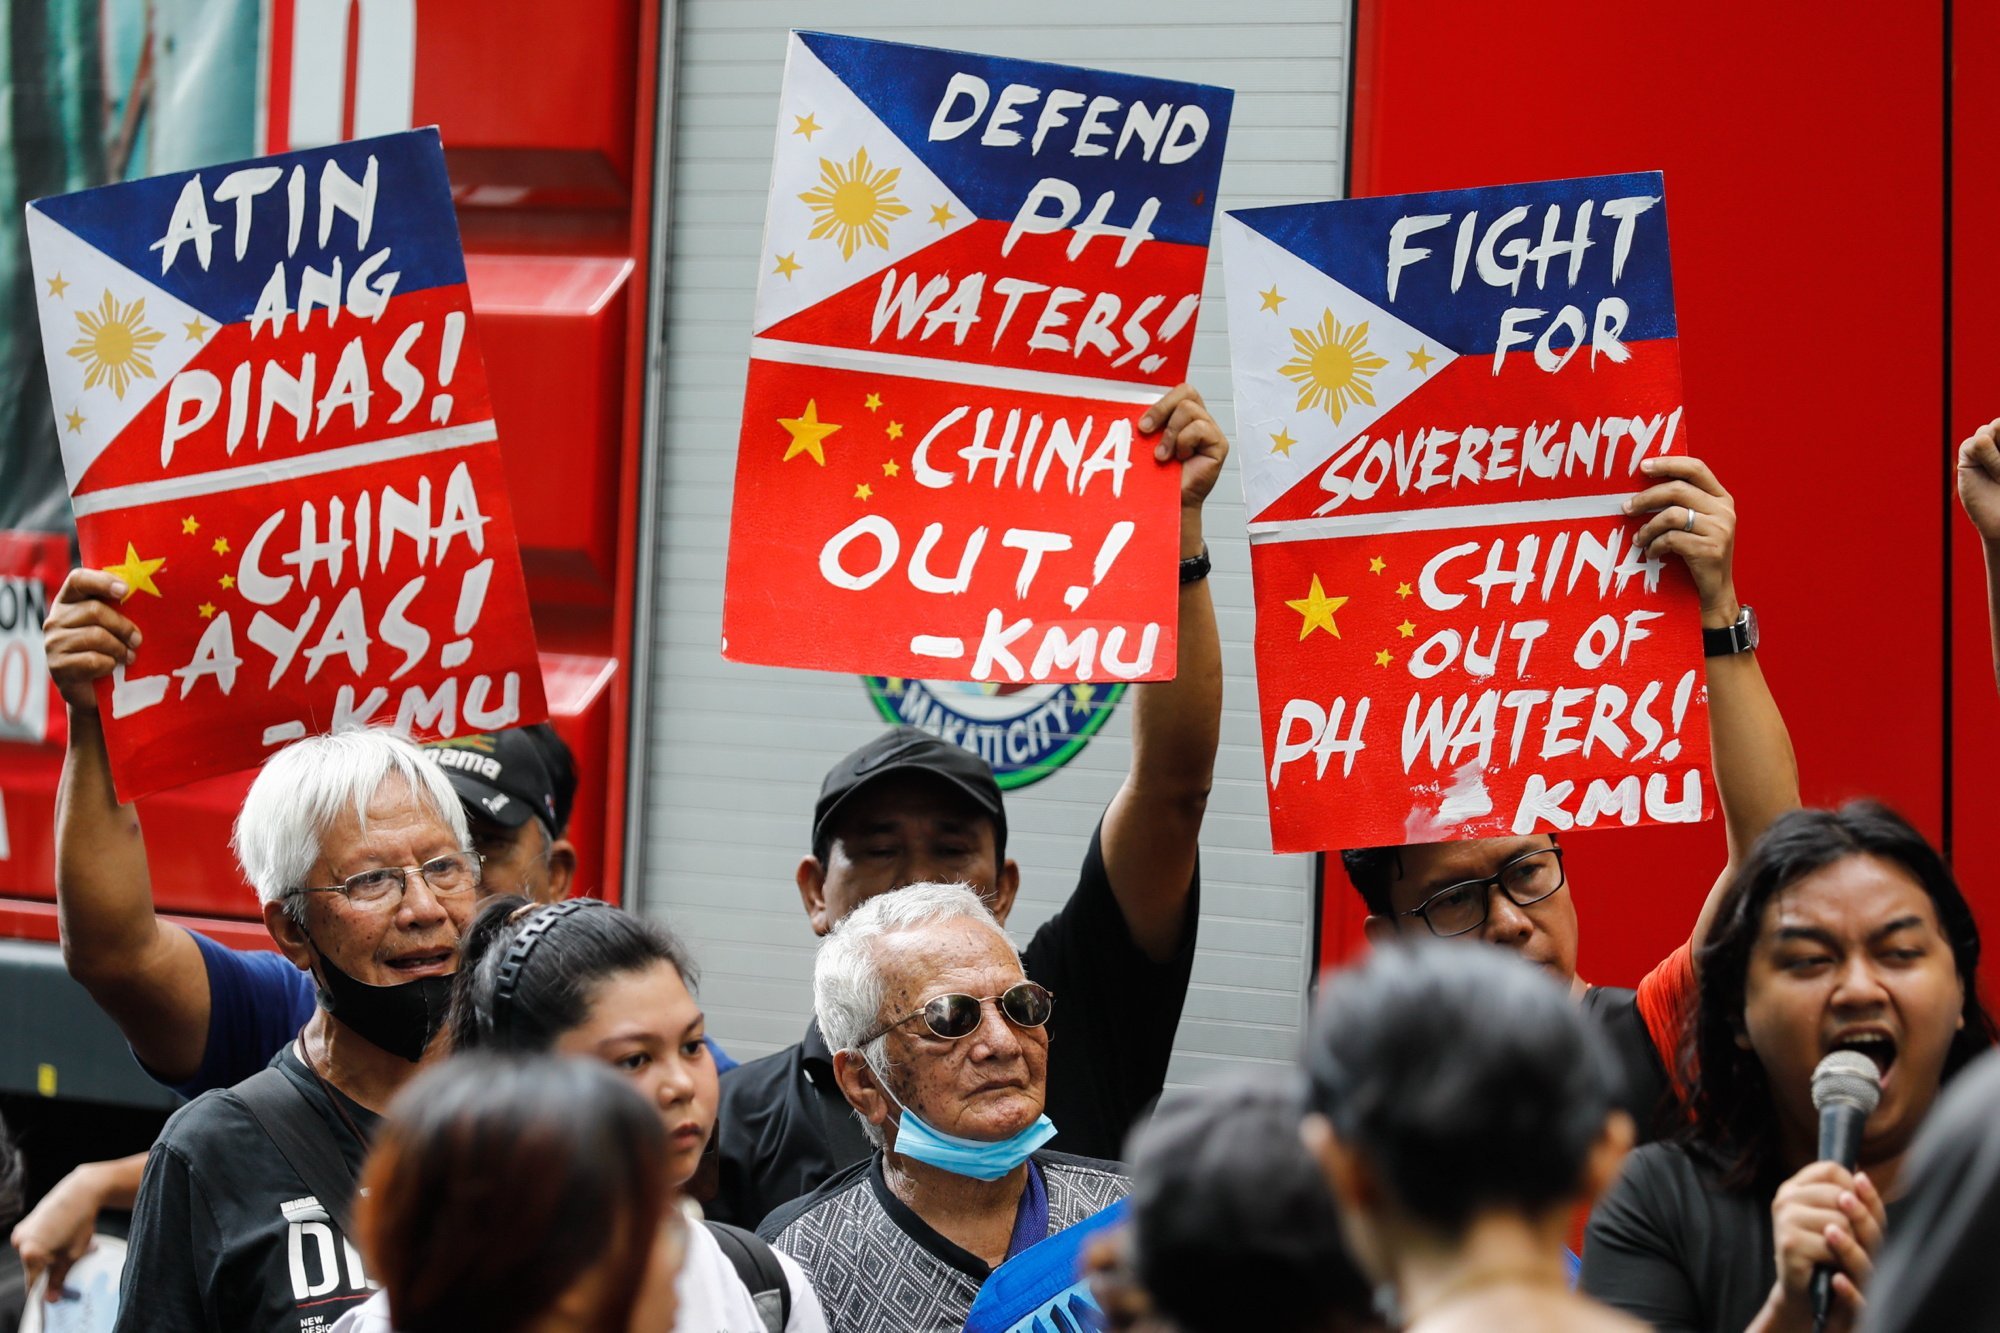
1333,366
852,202
114,344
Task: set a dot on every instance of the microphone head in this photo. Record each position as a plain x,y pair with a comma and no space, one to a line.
1847,1078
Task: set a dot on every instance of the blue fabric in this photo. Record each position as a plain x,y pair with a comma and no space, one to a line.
1031,1219
257,1001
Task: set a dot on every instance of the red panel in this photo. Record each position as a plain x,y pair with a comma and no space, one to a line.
1789,180
1975,351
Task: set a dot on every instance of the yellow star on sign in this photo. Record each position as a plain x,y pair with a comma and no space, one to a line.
196,330
207,610
808,433
1376,564
1402,590
943,216
787,265
221,546
1282,443
1383,658
895,430
862,492
807,126
1271,298
189,527
1083,693
74,419
1407,630
1420,359
873,402
1318,609
889,469
227,580
136,573
56,286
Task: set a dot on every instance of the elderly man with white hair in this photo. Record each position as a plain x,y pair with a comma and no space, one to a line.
360,854
941,1047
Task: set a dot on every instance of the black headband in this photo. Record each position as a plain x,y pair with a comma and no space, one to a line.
523,944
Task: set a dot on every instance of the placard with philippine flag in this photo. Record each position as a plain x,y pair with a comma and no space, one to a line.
1443,402
976,274
275,427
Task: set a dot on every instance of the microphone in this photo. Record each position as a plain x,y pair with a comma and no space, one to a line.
1846,1088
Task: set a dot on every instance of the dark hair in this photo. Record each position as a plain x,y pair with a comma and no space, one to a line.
1221,1182
1373,871
1734,1123
527,973
498,1181
1464,1076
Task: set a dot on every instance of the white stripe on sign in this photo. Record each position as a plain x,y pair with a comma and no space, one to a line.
284,469
1434,520
955,372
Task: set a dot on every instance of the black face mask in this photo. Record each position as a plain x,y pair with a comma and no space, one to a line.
401,1019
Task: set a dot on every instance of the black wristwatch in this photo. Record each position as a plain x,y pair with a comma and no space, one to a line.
1741,637
1195,568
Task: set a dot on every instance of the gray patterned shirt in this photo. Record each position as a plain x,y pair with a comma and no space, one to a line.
879,1268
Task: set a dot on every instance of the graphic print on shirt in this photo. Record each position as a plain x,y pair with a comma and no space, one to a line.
324,1265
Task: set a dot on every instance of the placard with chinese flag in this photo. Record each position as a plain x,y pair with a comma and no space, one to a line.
1442,404
976,273
276,432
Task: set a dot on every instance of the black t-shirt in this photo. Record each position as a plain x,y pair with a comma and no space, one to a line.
784,1128
1615,1009
1673,1248
226,1236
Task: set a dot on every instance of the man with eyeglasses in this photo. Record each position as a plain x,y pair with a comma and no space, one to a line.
941,1048
361,858
1513,891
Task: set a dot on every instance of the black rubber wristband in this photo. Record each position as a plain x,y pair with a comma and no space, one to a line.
1195,568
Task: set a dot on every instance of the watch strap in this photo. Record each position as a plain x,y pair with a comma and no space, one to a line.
1739,637
1195,568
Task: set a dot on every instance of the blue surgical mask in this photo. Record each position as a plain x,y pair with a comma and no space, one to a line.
977,1158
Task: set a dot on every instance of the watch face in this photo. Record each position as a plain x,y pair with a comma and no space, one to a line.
1747,629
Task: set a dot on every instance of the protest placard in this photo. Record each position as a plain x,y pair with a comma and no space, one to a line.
1045,1288
976,273
1442,404
276,432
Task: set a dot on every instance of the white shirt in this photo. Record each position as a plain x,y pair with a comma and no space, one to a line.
713,1298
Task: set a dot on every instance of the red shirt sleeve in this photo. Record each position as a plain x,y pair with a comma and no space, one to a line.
1666,1002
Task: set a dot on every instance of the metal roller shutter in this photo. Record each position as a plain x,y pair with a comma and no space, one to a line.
731,756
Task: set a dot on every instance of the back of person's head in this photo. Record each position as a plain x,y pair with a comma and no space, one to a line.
528,972
499,1183
1465,1079
1935,1269
1373,871
1734,1122
1231,1216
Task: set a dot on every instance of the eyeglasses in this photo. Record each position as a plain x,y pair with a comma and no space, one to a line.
951,1017
448,876
1459,908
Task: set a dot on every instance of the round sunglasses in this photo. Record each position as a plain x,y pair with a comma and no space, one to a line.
950,1017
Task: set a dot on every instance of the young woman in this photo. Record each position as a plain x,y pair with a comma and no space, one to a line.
518,1196
583,978
1463,1107
1844,930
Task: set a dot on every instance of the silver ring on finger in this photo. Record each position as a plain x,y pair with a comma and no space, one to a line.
1689,525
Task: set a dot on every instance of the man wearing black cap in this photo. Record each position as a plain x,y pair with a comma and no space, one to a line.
910,808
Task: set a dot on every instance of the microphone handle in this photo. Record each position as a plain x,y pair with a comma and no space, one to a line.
1839,1141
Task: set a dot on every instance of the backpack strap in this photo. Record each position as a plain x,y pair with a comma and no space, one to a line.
296,1130
756,1263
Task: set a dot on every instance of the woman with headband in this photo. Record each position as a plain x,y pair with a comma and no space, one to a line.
584,978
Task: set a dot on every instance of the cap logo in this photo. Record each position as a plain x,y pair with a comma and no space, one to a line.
483,765
1024,733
